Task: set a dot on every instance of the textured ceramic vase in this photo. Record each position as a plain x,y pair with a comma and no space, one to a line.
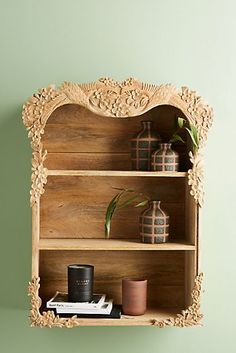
134,296
165,159
143,145
154,224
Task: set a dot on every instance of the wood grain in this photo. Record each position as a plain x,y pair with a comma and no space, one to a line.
84,140
142,320
111,244
132,173
75,207
87,161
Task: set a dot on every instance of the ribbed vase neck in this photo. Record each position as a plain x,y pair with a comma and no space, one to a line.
165,146
154,204
147,124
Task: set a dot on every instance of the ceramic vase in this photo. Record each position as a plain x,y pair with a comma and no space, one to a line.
154,224
143,145
165,159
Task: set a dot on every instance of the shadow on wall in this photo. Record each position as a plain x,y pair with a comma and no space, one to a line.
15,213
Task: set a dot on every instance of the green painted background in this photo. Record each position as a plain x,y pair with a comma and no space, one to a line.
185,42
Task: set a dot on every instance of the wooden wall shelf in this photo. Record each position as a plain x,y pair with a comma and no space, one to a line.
80,139
110,244
117,173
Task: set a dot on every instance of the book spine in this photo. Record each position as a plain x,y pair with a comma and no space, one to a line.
68,306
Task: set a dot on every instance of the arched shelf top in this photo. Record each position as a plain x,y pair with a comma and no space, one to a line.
110,98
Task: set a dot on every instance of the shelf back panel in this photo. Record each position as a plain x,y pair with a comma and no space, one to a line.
76,138
164,272
75,207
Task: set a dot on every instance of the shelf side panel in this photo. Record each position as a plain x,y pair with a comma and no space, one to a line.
191,258
35,238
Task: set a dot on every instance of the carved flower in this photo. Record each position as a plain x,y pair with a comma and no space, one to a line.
119,108
187,95
108,81
136,99
96,98
128,82
161,324
72,322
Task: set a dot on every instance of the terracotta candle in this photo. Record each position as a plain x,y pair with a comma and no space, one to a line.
134,296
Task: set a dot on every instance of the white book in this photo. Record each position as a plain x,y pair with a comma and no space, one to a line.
60,300
104,310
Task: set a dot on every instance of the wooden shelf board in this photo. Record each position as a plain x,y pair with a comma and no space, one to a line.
131,173
109,244
143,320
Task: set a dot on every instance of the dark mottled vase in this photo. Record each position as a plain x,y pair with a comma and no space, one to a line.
142,146
154,224
165,159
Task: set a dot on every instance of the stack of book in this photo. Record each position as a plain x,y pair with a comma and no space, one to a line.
98,307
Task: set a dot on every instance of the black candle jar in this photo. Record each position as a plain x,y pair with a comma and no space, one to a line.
80,283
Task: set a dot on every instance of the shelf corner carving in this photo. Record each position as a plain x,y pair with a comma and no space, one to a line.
200,113
38,176
195,178
47,318
33,111
192,316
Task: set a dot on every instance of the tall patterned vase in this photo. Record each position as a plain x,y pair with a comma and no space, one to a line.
142,146
165,159
154,224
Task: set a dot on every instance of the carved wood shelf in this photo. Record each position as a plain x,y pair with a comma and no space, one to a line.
110,244
83,130
127,173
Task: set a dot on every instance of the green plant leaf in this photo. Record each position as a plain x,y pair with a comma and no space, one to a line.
181,122
122,189
110,210
195,133
176,138
192,136
128,202
141,204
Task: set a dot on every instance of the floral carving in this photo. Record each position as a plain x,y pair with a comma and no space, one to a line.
119,105
195,177
192,315
32,114
38,177
201,114
47,318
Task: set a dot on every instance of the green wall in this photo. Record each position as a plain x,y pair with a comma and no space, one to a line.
185,42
